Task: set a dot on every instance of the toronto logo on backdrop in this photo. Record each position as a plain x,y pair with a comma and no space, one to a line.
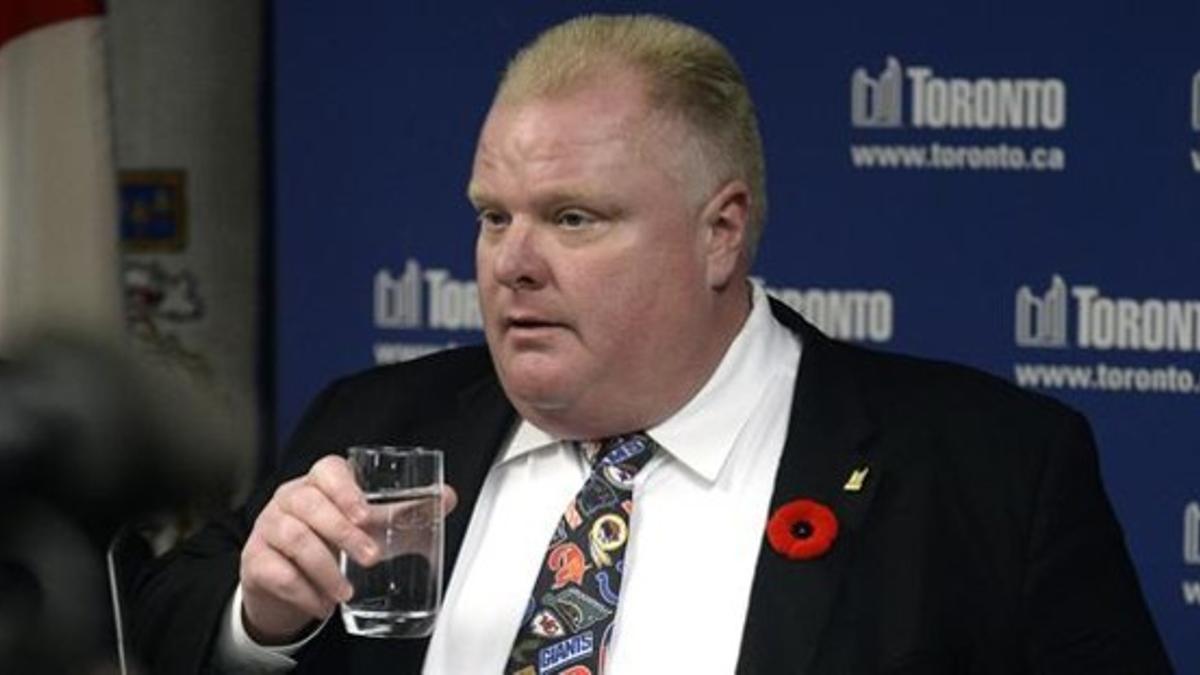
1127,330
918,98
1102,321
937,102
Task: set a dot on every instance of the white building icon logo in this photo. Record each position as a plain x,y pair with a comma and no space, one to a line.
877,102
1042,321
398,298
1191,533
1196,101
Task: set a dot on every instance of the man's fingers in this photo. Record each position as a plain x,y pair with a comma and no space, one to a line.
309,554
269,574
313,508
333,476
449,499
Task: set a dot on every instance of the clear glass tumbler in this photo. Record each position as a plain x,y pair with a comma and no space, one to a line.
400,595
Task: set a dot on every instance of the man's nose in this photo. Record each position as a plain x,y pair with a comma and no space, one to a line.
519,261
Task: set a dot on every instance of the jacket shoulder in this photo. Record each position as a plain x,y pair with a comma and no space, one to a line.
902,385
380,402
437,374
907,383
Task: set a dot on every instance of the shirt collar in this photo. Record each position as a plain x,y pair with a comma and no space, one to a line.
526,439
702,433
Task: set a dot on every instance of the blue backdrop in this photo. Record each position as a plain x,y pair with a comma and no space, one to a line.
1012,185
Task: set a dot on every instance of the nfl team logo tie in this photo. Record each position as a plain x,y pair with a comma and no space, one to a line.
568,621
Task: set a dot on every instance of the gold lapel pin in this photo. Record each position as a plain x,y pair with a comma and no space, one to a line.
855,482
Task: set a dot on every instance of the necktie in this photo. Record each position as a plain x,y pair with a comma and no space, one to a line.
568,621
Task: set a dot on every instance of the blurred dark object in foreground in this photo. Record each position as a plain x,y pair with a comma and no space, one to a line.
91,443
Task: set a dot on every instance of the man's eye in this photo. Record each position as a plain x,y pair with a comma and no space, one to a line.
491,219
574,219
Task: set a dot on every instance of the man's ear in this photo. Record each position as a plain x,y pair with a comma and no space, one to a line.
726,219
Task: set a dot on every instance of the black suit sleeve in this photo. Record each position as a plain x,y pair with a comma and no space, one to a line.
1084,609
178,602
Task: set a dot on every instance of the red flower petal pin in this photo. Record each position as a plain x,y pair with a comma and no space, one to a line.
802,529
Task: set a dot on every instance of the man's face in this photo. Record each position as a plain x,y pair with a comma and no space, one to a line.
595,272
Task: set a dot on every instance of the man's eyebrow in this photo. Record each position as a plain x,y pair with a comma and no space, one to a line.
562,196
478,196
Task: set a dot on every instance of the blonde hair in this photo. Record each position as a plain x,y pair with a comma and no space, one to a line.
689,73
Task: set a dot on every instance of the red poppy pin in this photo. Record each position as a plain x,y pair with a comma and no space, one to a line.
802,529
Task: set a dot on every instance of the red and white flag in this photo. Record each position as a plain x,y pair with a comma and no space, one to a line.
58,201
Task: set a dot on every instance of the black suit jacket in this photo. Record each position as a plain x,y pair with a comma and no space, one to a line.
981,541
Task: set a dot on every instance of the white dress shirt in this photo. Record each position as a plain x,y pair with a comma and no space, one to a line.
700,510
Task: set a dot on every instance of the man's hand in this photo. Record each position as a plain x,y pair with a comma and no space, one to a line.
289,570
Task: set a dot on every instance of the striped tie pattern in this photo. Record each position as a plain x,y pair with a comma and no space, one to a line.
568,621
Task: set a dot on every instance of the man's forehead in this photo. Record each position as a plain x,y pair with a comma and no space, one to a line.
605,98
586,117
558,127
531,152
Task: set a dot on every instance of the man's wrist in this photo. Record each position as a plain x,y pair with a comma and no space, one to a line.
238,651
273,640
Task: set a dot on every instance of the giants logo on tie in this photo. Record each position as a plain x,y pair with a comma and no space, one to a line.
559,654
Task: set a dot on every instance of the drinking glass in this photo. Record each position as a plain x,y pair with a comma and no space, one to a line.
399,596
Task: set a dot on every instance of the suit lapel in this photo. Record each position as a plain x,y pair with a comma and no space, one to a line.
828,436
471,435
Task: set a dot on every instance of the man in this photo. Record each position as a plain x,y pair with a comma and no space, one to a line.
619,186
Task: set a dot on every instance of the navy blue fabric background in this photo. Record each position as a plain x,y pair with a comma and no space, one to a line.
377,106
